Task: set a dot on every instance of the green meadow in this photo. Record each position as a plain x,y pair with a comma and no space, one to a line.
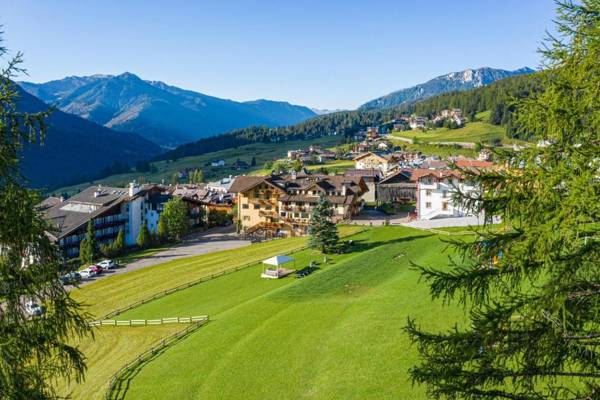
337,333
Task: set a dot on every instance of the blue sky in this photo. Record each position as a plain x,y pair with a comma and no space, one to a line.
324,54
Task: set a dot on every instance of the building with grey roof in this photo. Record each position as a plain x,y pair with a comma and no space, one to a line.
110,209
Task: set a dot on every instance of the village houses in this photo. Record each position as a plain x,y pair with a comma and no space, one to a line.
370,160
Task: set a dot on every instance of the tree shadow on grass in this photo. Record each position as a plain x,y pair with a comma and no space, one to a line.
374,263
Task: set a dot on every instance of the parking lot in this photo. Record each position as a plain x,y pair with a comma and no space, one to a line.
215,239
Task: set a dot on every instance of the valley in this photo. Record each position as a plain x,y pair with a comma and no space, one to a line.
248,215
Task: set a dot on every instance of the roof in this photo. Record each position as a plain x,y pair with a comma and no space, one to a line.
245,183
434,164
201,195
278,260
468,163
367,154
440,173
403,175
49,202
82,207
286,183
364,173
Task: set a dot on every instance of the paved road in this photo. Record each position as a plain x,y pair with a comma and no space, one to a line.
216,239
445,222
376,218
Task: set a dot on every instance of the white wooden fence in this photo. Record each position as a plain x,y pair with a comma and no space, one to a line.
142,322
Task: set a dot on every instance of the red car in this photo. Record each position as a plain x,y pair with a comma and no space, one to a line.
95,269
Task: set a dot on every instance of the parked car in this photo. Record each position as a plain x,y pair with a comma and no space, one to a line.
70,278
107,264
96,268
89,271
33,308
86,273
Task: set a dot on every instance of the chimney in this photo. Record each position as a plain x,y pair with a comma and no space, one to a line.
344,188
97,192
293,174
133,189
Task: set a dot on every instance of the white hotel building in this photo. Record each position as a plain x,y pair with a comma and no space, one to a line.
435,191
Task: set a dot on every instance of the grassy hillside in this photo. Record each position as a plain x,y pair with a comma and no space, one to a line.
336,334
263,152
473,132
335,166
277,339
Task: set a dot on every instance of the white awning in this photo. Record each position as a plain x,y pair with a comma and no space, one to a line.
278,260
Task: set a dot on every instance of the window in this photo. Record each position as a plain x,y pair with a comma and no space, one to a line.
428,205
256,206
246,218
428,193
245,206
268,207
445,206
445,194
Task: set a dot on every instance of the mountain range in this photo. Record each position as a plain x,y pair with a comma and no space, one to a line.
164,114
454,81
75,149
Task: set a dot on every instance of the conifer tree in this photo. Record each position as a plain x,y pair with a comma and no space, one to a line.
88,247
143,239
119,243
533,287
323,232
35,350
162,229
197,176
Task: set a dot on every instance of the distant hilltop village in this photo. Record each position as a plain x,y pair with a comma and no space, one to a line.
446,118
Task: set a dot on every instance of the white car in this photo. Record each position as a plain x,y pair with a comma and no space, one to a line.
87,273
33,308
107,264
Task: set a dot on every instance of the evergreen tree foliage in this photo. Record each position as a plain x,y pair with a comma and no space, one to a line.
532,288
218,218
162,229
115,248
323,232
174,178
196,176
119,243
36,350
253,162
84,256
143,240
175,217
88,248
